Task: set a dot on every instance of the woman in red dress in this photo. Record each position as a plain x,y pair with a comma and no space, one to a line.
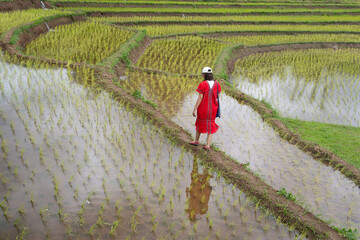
206,107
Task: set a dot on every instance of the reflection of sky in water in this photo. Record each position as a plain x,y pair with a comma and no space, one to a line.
97,150
244,136
335,99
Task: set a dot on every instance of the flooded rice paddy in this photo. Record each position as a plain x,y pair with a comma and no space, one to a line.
245,137
77,164
300,84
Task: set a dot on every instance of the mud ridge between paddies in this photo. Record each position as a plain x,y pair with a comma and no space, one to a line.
209,23
233,34
319,153
97,13
314,150
144,14
131,5
20,5
236,173
246,33
288,211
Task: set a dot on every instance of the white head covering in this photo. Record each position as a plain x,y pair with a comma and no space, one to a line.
206,70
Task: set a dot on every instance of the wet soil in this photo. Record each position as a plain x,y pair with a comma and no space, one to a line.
21,4
118,5
244,136
76,151
305,100
236,173
314,150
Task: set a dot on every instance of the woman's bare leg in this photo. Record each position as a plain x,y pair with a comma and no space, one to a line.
197,137
209,138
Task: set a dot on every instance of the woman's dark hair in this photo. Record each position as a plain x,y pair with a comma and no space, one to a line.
208,76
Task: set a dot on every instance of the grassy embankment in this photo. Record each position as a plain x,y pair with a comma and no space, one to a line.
344,141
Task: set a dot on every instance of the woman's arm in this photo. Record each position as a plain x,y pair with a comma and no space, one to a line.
200,97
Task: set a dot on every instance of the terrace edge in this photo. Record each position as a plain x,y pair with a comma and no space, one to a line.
319,153
288,211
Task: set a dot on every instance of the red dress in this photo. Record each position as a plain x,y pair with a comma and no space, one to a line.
206,112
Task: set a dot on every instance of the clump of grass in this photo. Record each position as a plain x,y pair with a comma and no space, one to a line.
287,195
329,136
348,233
137,94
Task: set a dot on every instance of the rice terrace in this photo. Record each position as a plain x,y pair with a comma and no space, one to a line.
96,118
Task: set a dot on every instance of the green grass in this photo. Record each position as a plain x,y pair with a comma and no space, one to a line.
344,141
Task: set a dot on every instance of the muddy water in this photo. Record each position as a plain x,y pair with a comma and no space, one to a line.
332,98
327,102
77,164
244,136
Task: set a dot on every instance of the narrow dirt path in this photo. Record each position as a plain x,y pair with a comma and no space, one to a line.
194,23
131,5
236,173
244,136
20,5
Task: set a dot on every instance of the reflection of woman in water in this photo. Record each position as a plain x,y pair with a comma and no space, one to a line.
199,193
206,107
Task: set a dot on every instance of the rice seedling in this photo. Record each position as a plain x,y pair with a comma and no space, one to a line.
3,205
22,235
114,227
4,148
71,43
180,55
6,196
13,19
62,216
99,149
6,214
32,200
4,180
17,223
43,213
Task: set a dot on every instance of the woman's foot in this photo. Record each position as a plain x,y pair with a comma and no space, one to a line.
206,148
194,143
